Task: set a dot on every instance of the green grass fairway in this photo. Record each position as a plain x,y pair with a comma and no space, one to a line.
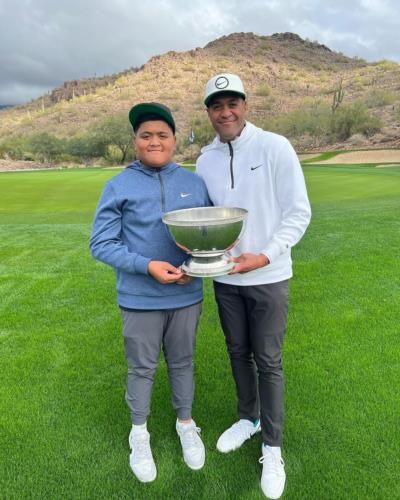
63,419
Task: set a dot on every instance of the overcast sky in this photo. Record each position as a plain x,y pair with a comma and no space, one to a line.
46,42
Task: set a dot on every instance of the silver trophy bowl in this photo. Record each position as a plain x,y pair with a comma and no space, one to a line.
206,233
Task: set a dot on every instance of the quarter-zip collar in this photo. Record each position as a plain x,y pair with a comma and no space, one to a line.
153,171
157,173
231,147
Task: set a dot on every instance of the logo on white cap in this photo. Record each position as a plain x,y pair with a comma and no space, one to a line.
224,82
221,83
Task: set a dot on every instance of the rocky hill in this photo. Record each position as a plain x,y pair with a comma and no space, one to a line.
279,72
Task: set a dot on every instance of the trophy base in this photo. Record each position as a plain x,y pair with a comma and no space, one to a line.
207,267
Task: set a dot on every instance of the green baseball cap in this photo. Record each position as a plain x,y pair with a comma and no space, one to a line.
151,109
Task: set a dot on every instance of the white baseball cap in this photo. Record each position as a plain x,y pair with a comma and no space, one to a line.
224,82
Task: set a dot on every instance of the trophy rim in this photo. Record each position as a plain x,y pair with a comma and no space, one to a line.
168,218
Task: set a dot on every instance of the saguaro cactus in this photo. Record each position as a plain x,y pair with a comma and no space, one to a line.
338,95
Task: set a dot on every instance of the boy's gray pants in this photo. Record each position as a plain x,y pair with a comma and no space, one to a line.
253,319
145,332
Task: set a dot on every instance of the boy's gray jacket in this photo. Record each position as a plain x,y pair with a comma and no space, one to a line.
259,171
128,232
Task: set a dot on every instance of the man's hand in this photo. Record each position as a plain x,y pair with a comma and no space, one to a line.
248,262
164,272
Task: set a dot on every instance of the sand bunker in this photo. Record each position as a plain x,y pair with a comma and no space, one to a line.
381,156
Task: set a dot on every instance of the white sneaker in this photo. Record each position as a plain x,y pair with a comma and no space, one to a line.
193,450
236,435
141,458
273,474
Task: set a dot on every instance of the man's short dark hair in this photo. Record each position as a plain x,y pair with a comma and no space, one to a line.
228,93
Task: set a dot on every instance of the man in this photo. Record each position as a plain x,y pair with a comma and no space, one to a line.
157,311
250,168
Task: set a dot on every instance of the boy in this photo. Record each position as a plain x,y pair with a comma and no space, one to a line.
157,311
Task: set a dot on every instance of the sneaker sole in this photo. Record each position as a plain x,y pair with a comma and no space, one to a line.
147,480
195,468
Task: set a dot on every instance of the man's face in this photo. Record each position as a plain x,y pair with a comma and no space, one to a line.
227,115
154,143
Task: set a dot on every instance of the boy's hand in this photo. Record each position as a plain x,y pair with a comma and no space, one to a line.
164,272
184,280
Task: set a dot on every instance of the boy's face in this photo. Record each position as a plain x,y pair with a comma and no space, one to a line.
154,143
227,115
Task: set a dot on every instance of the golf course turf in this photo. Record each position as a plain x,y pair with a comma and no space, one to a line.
63,419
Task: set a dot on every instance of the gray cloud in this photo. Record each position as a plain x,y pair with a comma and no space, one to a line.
43,42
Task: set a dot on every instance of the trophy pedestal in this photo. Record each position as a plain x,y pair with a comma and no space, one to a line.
208,267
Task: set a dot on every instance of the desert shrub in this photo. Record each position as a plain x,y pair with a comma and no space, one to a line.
316,120
203,132
14,148
317,65
379,97
85,98
126,93
265,45
122,81
43,147
104,90
359,82
225,50
297,57
352,119
313,119
185,151
385,64
263,90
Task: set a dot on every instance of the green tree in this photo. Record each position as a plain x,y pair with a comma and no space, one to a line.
114,133
45,147
85,147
